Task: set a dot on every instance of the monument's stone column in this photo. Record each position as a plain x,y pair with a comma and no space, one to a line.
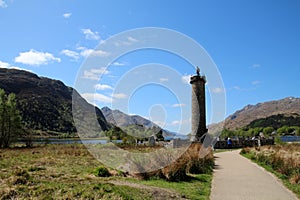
198,106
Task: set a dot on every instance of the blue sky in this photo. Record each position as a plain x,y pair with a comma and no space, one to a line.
254,44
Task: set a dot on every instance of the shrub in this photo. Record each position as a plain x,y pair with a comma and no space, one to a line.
102,171
245,150
189,162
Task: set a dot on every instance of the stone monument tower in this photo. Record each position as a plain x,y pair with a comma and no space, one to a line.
198,106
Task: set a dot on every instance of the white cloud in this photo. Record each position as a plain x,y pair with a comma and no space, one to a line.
96,97
3,4
119,95
163,80
93,98
67,15
4,65
70,53
178,105
217,90
103,87
182,122
118,64
236,88
94,74
160,123
90,35
34,57
7,65
185,79
129,41
175,122
243,89
91,52
255,82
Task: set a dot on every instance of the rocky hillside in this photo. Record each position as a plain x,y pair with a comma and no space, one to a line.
268,113
130,122
120,119
45,104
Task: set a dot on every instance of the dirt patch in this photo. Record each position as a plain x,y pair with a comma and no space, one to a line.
157,193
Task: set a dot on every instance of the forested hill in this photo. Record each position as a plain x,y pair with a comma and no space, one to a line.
45,104
272,113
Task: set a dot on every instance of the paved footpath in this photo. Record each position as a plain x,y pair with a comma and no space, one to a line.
237,178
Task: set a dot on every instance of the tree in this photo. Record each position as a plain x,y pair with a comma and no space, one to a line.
10,119
227,133
282,130
268,130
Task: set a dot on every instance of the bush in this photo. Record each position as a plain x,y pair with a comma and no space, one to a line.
245,150
189,162
102,171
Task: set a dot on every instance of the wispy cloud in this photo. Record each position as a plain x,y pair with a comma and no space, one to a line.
95,74
85,52
118,64
178,105
256,82
217,90
175,122
181,122
93,98
236,87
163,80
3,4
119,95
90,35
129,41
36,58
185,79
103,87
70,53
67,15
159,123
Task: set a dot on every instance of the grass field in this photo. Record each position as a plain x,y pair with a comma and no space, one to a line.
68,172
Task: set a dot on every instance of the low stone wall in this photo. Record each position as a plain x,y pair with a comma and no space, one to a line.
176,143
222,144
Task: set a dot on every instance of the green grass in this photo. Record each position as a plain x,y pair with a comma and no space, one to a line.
196,187
68,172
266,163
224,150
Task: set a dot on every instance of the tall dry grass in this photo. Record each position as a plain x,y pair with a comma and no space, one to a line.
191,161
285,159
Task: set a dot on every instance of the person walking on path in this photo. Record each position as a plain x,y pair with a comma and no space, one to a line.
229,143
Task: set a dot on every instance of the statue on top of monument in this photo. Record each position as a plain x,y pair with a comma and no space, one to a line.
198,71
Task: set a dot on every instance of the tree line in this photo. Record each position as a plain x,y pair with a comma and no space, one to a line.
267,131
10,119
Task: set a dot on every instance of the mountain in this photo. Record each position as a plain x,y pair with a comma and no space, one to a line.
272,113
130,122
120,119
45,104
